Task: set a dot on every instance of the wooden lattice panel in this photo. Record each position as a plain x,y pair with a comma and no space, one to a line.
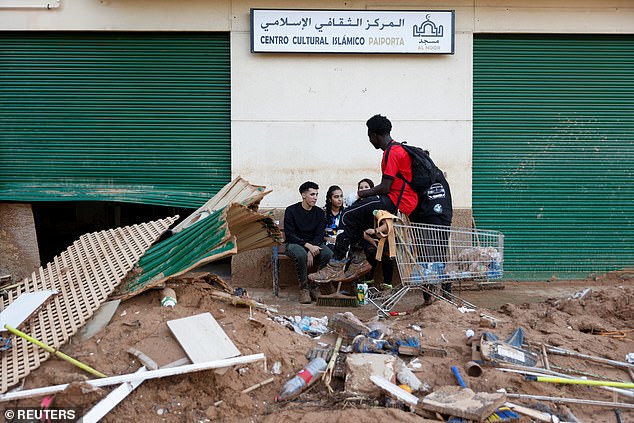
85,274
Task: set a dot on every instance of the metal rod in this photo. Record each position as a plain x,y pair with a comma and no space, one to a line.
561,351
54,351
564,381
541,372
573,401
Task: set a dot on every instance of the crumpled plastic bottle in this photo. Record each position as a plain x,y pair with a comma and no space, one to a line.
303,378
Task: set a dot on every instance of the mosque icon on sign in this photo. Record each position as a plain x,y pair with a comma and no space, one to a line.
428,29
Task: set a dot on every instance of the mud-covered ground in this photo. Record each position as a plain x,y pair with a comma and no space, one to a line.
547,311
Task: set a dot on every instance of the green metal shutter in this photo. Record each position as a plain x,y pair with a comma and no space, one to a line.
553,154
133,117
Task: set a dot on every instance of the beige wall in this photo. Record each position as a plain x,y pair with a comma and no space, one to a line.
298,116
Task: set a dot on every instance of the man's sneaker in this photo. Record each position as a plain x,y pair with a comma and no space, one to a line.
356,270
304,296
315,293
332,272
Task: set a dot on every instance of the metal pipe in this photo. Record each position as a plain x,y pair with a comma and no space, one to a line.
54,351
573,401
547,379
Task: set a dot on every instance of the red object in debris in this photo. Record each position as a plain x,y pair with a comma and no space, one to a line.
398,313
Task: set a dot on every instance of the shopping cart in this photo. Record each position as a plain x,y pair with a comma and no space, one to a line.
430,257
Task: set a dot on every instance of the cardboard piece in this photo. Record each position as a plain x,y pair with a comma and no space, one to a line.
463,402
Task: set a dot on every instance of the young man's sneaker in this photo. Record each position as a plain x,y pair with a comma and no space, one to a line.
304,296
332,272
356,270
315,293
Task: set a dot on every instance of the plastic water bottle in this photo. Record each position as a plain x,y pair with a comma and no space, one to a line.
168,298
303,378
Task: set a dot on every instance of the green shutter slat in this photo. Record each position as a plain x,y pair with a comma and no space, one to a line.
553,151
134,117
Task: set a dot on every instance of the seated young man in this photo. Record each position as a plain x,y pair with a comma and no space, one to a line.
304,225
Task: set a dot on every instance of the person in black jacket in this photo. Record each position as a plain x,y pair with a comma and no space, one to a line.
304,225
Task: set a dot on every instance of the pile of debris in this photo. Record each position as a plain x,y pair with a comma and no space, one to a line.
430,364
174,345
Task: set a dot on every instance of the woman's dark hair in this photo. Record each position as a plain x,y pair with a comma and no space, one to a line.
369,181
328,205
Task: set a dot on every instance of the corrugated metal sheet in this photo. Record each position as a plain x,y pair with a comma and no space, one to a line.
134,117
227,231
553,151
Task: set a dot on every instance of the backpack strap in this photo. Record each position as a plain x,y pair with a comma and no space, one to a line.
399,174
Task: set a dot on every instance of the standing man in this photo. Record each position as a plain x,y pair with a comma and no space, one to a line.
304,225
391,194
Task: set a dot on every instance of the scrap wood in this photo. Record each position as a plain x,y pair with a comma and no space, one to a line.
573,401
84,274
150,374
331,364
257,385
144,359
535,414
463,402
394,390
232,299
212,280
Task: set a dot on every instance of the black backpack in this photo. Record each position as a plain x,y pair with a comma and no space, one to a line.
424,171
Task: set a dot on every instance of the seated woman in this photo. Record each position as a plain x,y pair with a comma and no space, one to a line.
370,244
334,211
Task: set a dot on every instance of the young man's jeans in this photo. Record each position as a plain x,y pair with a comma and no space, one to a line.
299,255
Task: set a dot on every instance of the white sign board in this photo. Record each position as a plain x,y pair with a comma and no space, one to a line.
352,31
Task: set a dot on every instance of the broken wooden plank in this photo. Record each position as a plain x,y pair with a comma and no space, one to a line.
397,392
144,359
202,338
463,402
534,414
257,385
150,374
